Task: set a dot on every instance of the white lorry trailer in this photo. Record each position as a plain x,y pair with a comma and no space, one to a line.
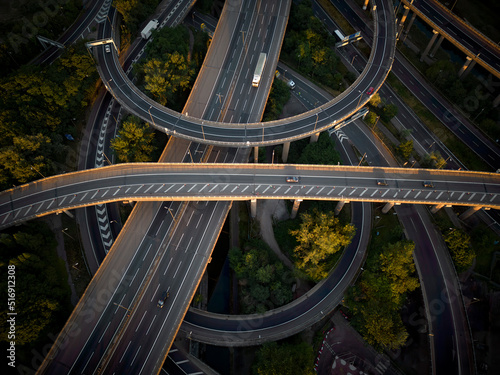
259,68
146,32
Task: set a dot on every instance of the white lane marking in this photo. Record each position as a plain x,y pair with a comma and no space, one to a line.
331,191
236,187
439,195
352,192
430,192
143,315
245,189
135,192
204,186
192,187
125,351
105,332
199,221
171,186
135,356
117,190
157,190
213,188
83,196
385,193
472,196
417,195
320,190
461,195
166,269
147,251
182,186
177,270
409,191
154,317
189,244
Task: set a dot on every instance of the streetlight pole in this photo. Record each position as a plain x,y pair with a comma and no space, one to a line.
359,101
32,167
150,115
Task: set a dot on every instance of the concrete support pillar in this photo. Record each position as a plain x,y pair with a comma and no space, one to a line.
67,213
253,208
402,21
496,102
428,48
365,4
467,67
410,23
438,44
255,154
339,207
314,138
286,150
469,212
436,208
295,208
387,207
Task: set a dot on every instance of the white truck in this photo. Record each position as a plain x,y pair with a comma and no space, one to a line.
146,32
259,68
288,82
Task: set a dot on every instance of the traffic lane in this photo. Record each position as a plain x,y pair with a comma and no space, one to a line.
461,32
491,156
184,281
95,305
120,307
434,289
471,137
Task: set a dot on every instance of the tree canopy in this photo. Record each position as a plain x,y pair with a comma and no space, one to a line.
267,283
320,235
37,107
284,359
133,142
42,292
459,243
377,299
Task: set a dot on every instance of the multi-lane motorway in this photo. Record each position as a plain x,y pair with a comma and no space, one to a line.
163,223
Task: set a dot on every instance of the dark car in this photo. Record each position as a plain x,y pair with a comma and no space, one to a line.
382,182
163,298
370,91
428,184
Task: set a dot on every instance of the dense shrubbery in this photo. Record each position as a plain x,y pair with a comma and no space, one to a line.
42,291
379,294
169,71
265,282
308,46
37,108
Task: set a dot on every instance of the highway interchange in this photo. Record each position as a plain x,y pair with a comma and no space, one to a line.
166,226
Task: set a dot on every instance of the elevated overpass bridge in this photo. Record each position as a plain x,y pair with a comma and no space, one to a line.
223,182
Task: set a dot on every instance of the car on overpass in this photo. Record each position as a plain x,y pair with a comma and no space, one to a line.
163,298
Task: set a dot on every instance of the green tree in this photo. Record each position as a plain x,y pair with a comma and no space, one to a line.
375,100
284,359
405,149
396,262
320,152
133,142
320,235
389,111
371,118
461,251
